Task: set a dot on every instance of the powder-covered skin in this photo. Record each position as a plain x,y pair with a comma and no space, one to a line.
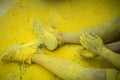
69,70
97,47
46,34
71,15
21,53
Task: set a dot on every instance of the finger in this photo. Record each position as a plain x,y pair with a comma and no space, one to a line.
89,36
86,37
96,36
83,37
84,44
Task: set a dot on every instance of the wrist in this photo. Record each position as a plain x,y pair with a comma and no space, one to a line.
101,50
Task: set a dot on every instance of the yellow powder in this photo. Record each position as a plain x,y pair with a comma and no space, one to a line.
68,15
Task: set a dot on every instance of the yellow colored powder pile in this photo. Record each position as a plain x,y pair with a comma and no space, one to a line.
67,15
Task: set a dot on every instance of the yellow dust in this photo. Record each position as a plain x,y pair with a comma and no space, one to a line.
66,15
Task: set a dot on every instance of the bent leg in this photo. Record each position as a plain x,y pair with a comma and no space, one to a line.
52,37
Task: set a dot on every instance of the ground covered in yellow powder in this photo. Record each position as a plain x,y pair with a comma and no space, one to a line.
66,15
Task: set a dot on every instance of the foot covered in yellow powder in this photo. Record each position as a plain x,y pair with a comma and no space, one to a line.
22,53
50,36
92,42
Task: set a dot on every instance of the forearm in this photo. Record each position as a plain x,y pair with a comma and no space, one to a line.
110,56
110,28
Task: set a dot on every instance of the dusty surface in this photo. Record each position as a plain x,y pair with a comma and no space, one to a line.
68,15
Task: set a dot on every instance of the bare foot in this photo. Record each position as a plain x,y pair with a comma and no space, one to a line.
50,36
21,53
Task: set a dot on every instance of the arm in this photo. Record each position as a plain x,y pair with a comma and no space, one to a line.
110,56
94,44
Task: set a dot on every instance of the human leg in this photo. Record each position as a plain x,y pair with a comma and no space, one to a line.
21,53
52,38
65,69
108,31
69,70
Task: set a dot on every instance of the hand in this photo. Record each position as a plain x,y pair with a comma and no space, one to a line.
92,42
86,54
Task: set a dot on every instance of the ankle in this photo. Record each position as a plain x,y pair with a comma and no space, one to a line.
62,35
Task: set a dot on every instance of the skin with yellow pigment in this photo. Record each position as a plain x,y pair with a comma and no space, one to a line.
52,38
96,46
49,35
22,53
65,69
70,70
57,38
108,31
